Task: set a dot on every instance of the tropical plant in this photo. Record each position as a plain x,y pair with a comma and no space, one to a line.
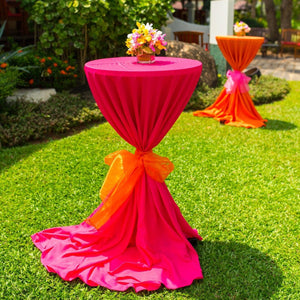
5,57
47,71
9,74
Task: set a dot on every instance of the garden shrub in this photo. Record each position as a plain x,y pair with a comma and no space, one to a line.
47,72
251,22
8,82
265,89
26,121
90,29
9,73
203,97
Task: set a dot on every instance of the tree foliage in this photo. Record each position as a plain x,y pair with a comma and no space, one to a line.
276,14
90,29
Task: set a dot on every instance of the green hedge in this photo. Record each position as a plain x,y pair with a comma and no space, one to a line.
23,122
265,89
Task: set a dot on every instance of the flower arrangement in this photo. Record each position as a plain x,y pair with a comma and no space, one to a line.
145,41
241,28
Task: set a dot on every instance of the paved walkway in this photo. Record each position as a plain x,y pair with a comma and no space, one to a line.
286,67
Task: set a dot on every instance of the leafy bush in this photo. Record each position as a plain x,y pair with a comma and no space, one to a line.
8,82
47,72
251,22
203,97
9,74
24,121
265,89
89,29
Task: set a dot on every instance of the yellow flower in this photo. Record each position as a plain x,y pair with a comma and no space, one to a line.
141,40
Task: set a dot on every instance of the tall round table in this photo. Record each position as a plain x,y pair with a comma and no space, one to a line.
234,105
137,237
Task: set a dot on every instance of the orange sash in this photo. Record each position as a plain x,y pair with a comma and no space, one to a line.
125,170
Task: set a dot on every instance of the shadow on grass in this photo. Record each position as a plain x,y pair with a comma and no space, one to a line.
11,156
278,125
231,271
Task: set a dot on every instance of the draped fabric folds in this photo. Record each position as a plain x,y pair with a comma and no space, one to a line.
236,108
125,171
139,240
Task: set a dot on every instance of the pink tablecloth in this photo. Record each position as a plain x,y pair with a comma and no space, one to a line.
145,242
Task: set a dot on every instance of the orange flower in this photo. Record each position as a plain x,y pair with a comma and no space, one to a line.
42,60
3,65
49,57
63,72
68,68
65,61
31,81
55,64
49,71
75,75
20,51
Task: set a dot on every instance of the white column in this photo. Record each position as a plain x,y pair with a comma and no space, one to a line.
221,18
221,23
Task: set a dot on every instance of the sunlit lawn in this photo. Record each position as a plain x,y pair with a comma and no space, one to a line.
239,187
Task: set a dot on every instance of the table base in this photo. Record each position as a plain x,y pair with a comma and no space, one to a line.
236,109
144,245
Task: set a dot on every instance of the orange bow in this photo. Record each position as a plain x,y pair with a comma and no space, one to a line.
125,170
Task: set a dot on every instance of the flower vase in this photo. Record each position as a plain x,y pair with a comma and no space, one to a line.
241,33
145,57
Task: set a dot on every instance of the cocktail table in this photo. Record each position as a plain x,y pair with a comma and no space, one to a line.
234,105
137,237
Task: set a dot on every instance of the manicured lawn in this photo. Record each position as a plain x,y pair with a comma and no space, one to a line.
239,187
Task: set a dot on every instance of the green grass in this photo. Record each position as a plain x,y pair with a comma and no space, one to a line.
239,187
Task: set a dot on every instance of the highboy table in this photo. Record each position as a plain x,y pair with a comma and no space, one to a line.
137,237
234,105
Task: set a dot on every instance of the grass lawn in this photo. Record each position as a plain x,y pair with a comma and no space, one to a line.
239,187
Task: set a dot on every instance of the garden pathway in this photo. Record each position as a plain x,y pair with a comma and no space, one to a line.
286,67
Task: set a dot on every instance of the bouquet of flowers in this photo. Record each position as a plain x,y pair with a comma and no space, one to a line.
241,28
145,40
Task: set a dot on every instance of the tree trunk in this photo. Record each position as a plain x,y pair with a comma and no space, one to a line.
271,19
253,9
286,9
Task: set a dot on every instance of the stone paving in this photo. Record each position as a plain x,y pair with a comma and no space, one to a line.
286,67
32,95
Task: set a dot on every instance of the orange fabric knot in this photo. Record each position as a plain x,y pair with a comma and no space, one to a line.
125,170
